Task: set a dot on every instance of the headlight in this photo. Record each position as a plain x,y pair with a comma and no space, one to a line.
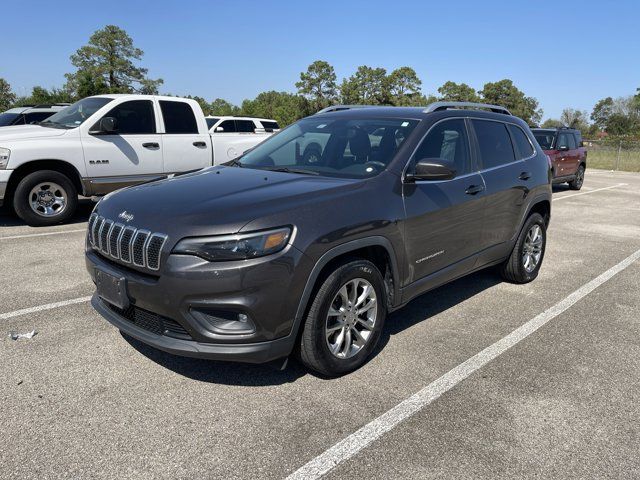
235,247
5,153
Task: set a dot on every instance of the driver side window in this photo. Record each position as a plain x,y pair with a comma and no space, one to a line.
134,117
448,140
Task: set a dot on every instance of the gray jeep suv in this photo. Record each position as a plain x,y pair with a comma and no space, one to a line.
271,255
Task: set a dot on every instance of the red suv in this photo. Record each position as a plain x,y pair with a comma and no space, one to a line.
568,156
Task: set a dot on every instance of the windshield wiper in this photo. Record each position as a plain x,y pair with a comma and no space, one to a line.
47,123
233,163
291,170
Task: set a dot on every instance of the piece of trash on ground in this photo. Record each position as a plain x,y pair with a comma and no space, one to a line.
17,336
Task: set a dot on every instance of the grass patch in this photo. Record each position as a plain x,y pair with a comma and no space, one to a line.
608,159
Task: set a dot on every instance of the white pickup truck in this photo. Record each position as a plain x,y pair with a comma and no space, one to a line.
103,143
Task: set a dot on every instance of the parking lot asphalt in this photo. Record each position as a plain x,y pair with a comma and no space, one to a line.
80,400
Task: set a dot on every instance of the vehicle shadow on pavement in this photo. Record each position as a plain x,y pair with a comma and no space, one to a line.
437,301
226,373
8,218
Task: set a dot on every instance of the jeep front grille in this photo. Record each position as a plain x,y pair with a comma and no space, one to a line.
128,244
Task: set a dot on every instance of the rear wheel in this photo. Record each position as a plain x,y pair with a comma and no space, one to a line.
345,320
526,258
576,183
45,198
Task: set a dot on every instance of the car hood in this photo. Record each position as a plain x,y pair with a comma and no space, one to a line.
25,132
217,200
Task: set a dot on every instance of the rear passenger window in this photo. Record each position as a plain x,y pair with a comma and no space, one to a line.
178,117
523,145
578,136
447,140
245,126
269,126
134,117
228,126
494,143
563,141
572,141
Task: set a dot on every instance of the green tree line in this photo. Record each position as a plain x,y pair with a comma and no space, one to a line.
110,63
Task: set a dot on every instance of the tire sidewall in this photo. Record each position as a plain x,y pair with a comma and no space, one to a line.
350,271
536,218
21,198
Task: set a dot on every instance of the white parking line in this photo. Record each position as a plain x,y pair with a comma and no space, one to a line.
42,234
590,191
40,308
355,442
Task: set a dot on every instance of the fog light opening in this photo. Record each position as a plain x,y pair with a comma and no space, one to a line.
224,322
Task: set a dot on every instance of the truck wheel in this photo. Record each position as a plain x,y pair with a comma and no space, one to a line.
525,260
576,184
45,198
345,320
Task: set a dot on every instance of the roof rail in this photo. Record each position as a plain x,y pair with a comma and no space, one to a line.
337,108
438,106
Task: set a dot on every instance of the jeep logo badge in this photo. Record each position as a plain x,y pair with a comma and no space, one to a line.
126,216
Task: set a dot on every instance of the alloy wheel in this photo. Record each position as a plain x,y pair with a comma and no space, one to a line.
532,248
351,318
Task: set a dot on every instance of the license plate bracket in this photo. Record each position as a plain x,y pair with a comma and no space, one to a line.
112,289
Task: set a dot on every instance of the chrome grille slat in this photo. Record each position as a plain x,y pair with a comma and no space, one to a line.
104,236
154,249
139,243
92,220
126,243
114,237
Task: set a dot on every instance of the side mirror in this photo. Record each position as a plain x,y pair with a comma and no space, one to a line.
106,126
219,129
432,169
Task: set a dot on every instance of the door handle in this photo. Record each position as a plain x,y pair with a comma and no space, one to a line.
151,145
473,189
525,176
199,144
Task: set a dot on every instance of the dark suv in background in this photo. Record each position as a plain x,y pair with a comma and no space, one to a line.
29,114
568,156
272,254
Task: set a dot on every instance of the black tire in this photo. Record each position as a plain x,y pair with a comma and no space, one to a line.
513,269
314,351
576,183
22,198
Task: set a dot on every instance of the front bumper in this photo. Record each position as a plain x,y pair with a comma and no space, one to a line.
260,352
267,290
4,182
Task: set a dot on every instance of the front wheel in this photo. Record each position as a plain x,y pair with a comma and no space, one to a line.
345,319
576,183
525,260
45,198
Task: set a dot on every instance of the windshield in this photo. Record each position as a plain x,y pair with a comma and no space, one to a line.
7,118
351,148
545,139
211,121
74,115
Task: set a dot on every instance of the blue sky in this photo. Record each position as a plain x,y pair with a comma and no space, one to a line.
566,54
